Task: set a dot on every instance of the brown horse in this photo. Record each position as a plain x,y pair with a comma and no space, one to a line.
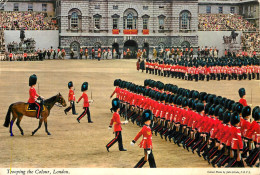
19,109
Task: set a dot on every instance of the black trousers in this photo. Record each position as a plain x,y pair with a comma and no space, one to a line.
118,138
151,161
72,106
86,111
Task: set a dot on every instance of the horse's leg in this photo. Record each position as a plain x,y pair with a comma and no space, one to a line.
40,124
12,123
18,124
46,128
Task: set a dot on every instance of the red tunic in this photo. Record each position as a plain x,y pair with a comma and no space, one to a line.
237,142
32,95
116,121
243,102
146,142
71,95
85,97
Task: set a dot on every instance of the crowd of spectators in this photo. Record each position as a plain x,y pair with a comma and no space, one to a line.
2,45
224,22
26,20
250,42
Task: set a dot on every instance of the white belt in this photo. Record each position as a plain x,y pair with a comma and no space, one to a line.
146,138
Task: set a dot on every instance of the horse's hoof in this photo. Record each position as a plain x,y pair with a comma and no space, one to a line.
33,133
22,133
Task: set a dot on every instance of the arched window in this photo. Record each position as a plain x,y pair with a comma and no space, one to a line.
185,17
130,19
74,20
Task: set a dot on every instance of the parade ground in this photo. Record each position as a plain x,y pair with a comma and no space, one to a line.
82,145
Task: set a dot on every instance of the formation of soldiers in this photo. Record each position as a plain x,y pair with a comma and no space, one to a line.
209,68
215,127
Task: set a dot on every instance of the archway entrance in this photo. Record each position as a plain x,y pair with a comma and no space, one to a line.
132,46
75,46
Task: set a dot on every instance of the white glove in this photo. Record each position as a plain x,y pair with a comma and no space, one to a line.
91,101
148,151
132,143
110,127
125,122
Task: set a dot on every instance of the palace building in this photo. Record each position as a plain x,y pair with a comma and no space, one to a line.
121,24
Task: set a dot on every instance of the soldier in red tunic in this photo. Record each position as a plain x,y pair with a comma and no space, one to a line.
71,99
242,94
33,95
236,143
84,95
146,142
117,126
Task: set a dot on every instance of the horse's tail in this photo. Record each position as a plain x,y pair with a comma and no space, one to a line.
8,116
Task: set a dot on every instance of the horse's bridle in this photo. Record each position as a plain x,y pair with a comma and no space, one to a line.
60,102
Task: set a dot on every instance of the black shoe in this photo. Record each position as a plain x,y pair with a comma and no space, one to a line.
78,120
123,149
65,112
75,114
107,149
90,122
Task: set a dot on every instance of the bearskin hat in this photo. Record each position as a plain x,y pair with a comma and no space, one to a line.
84,86
235,119
163,97
115,104
179,100
202,96
220,114
157,96
242,92
147,115
207,106
195,95
256,113
210,99
167,98
70,84
237,107
171,100
184,102
32,80
230,104
199,107
226,117
217,109
117,82
246,111
146,82
212,110
194,104
190,102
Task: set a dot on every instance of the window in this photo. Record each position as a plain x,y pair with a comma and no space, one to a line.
44,7
208,9
232,10
161,7
30,7
145,7
74,20
185,17
2,7
161,23
220,9
16,7
115,7
145,23
97,23
115,23
97,6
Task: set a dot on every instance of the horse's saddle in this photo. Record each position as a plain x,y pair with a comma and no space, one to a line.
32,107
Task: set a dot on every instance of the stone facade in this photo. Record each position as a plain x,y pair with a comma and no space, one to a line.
87,36
37,5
